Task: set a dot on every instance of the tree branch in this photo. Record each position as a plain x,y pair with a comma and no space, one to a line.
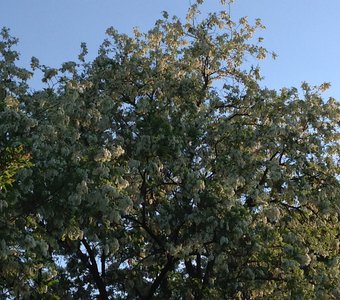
161,276
94,270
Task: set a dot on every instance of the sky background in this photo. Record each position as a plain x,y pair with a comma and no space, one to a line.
304,33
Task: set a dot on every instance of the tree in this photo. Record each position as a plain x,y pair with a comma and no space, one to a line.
12,81
162,170
13,159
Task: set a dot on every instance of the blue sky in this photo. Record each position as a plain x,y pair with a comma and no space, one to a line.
304,33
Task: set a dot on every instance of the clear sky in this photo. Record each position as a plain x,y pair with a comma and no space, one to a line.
304,33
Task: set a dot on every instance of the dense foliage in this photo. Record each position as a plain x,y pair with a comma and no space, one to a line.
163,170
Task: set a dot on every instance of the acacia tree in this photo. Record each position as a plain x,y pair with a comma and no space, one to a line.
163,170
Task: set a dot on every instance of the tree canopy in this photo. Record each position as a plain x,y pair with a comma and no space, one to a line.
163,170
